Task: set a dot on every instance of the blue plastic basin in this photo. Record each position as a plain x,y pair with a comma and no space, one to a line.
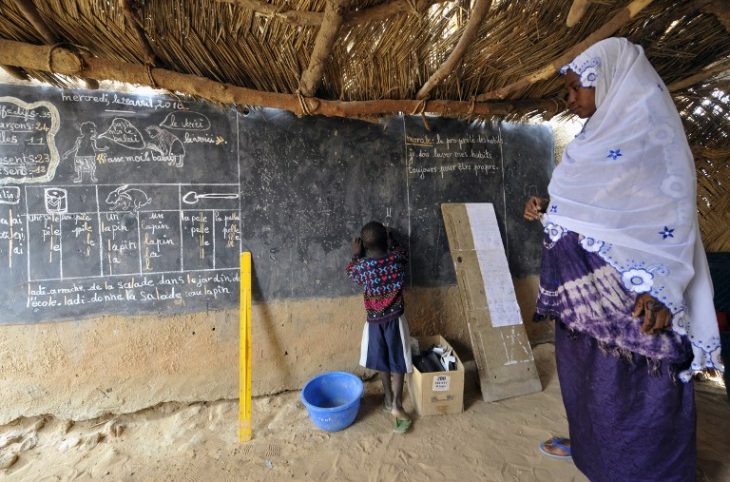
333,399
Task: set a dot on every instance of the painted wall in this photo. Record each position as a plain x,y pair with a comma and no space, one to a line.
84,369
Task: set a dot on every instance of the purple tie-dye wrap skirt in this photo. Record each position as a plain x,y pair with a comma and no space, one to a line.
630,418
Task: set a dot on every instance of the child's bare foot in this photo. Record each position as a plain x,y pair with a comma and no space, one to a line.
399,414
402,421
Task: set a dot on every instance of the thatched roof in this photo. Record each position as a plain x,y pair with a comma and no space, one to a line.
318,56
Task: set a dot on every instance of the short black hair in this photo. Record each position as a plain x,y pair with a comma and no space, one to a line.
374,235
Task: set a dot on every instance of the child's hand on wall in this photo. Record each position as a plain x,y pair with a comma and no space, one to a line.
393,238
357,248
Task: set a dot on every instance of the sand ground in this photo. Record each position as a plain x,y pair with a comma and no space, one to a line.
198,442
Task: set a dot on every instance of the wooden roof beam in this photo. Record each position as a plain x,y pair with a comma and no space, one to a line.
314,19
624,16
471,30
64,61
577,10
331,23
28,9
703,74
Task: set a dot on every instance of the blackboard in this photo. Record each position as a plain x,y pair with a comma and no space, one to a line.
115,203
448,162
126,204
308,185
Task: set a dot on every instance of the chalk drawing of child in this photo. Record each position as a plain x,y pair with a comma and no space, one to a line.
85,150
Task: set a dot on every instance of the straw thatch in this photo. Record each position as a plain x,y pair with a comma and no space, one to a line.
376,57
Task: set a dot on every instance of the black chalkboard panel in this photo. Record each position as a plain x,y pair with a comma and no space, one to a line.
457,162
527,152
308,186
448,162
115,203
119,203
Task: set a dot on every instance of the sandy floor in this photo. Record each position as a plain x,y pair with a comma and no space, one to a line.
488,442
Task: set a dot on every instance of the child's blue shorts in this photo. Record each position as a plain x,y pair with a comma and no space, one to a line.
386,347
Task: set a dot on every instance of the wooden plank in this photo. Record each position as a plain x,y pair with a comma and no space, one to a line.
481,7
312,77
499,341
244,366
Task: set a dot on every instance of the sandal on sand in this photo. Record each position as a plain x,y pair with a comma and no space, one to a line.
401,425
560,443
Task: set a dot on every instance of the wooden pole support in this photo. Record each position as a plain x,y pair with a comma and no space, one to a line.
312,76
577,10
245,361
480,10
704,74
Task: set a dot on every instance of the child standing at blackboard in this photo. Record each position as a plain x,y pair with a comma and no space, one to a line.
385,341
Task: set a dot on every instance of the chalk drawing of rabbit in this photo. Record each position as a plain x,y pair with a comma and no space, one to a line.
127,199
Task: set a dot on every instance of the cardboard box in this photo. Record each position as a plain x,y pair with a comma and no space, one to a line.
437,393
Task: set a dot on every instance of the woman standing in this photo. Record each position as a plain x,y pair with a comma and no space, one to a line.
624,274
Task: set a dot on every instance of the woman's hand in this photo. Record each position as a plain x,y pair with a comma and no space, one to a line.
657,317
534,207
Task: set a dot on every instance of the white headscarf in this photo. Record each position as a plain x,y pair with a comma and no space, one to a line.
627,184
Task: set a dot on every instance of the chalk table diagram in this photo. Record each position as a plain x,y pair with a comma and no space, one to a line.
101,230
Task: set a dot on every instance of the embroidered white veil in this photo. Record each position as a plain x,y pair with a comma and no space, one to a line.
627,185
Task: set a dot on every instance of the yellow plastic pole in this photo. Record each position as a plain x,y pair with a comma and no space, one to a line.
244,387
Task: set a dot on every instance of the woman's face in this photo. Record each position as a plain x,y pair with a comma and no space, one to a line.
581,100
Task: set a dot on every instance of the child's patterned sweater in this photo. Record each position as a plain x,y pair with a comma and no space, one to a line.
382,280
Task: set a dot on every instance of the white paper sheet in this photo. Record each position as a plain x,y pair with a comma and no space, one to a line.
497,280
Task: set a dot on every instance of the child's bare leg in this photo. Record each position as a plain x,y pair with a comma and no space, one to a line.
398,411
387,390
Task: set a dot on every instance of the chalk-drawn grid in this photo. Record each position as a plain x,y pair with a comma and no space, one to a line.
206,232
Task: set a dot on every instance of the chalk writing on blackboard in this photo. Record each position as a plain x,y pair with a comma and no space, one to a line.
27,138
9,194
160,145
438,154
177,288
186,120
112,99
12,232
93,205
108,230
